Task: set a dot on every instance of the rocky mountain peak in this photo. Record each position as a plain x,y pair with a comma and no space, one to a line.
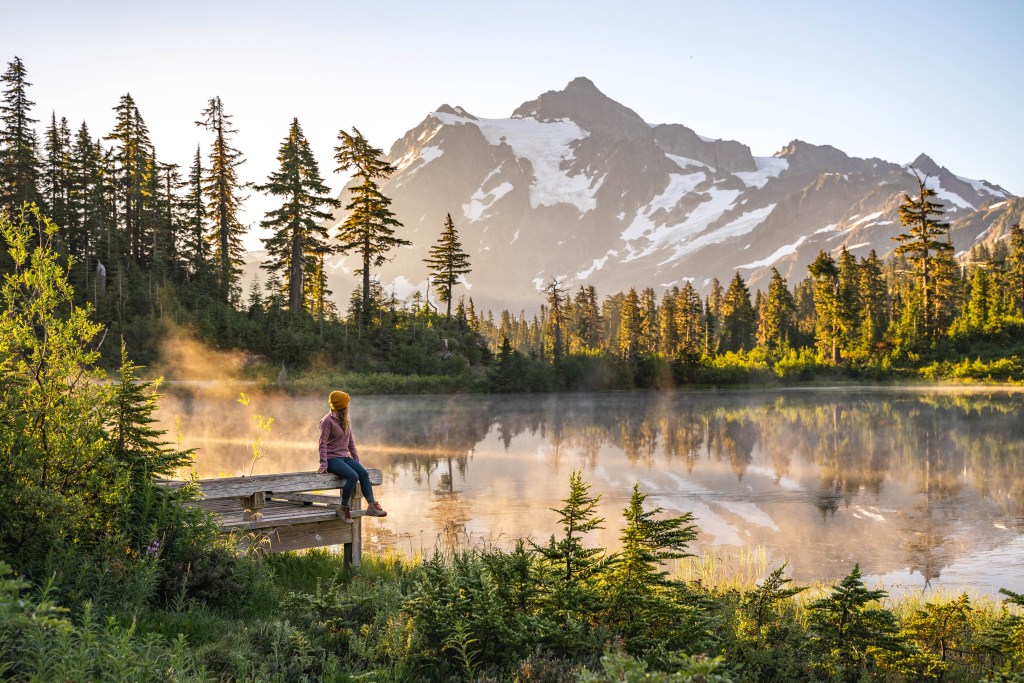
582,103
925,165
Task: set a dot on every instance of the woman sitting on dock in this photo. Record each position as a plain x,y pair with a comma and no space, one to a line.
338,456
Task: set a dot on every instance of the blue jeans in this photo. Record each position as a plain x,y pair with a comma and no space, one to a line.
352,471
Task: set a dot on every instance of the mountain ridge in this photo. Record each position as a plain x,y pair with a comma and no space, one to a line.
578,188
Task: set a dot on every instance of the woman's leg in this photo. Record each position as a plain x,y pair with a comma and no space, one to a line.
364,479
342,468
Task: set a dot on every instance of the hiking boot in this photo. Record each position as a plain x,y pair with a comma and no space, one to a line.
375,510
345,514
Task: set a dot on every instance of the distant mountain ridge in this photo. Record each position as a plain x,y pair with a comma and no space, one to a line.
577,187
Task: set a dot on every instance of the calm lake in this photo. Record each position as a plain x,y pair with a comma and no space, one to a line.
921,487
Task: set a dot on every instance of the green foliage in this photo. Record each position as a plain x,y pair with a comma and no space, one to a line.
570,571
223,191
447,262
1007,635
619,668
60,485
850,633
369,227
19,164
647,608
299,242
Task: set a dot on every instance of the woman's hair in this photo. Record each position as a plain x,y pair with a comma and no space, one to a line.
342,415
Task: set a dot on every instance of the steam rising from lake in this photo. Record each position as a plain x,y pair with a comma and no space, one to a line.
916,486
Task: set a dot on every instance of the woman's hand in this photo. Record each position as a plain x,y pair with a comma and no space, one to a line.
322,470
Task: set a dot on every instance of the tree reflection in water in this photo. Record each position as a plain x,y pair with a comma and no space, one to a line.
902,481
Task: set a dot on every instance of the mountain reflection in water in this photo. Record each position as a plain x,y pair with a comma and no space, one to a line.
918,486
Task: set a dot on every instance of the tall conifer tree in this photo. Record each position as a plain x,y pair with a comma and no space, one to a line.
136,179
630,326
874,302
738,325
300,241
826,305
922,244
447,261
195,251
86,200
56,169
689,320
775,322
369,228
224,198
1016,266
19,144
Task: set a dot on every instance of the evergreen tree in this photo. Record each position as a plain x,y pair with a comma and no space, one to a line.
689,322
848,302
224,199
585,321
19,157
86,208
848,633
805,315
643,601
300,241
135,168
826,305
168,230
650,338
56,170
737,326
447,262
369,228
630,326
553,338
1016,267
949,287
135,443
611,321
713,317
572,598
667,331
873,296
195,251
775,321
921,245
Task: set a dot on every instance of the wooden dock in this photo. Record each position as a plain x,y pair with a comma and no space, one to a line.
278,512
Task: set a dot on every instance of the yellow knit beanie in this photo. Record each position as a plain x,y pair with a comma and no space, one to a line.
338,400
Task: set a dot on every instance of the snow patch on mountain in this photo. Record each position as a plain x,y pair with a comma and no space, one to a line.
767,168
784,250
420,151
678,185
944,195
546,145
982,187
597,265
481,201
741,226
685,162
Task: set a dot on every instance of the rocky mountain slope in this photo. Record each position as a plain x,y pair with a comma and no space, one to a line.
577,187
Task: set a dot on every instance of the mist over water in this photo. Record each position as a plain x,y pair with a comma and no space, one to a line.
921,487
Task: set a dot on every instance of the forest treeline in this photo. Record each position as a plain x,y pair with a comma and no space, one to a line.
156,247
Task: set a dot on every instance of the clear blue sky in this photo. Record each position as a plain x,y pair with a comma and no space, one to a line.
875,79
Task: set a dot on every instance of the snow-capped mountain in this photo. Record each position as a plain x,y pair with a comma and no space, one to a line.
577,187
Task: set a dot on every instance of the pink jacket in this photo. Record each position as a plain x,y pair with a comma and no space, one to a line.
335,440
